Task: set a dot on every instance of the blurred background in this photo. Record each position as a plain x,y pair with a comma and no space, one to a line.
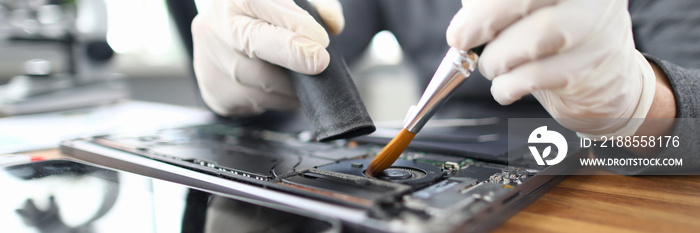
148,54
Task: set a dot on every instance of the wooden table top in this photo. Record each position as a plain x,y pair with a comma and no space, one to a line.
603,203
614,203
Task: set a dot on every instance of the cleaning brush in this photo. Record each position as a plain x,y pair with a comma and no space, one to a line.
456,66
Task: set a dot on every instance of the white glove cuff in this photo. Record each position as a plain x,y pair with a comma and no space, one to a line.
645,100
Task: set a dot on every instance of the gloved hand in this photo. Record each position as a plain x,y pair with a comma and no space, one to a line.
237,44
577,57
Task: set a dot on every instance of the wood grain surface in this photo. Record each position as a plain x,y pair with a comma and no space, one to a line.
614,203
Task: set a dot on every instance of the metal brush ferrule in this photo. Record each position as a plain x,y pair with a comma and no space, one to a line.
456,67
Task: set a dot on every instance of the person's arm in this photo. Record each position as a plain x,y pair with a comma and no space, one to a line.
684,85
664,105
584,70
664,31
661,116
588,71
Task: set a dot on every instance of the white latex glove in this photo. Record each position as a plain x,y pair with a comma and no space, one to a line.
237,44
577,57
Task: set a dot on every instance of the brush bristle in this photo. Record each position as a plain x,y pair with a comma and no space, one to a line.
390,153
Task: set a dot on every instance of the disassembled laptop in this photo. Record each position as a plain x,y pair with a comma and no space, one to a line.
421,192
